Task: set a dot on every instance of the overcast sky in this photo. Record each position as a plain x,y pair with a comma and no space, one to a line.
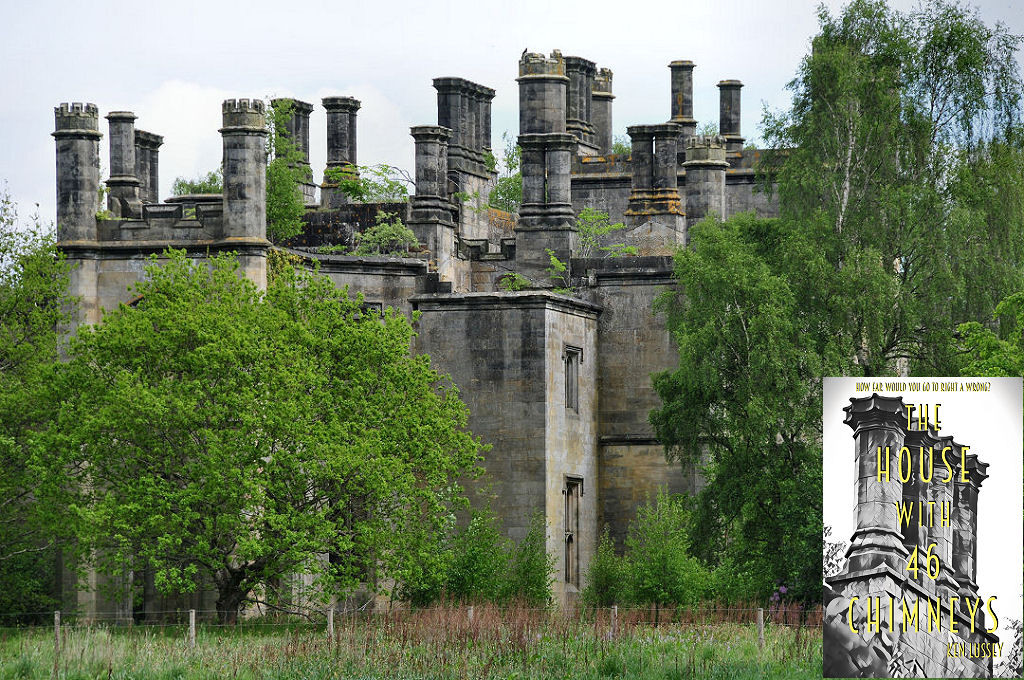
173,64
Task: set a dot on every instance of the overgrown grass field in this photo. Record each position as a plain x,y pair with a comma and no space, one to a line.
433,643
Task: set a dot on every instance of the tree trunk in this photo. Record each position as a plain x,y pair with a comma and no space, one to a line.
230,596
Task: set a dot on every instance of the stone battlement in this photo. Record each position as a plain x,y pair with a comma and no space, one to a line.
536,64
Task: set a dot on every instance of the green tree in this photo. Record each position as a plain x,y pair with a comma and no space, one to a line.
235,436
745,402
593,225
529,576
479,560
210,183
34,306
888,147
895,227
388,236
622,145
607,579
662,571
507,193
381,183
286,171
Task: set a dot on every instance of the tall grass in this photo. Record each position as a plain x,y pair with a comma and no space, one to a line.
513,642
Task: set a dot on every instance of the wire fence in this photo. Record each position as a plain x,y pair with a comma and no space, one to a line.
625,617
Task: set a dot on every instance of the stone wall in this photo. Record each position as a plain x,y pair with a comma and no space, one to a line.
506,352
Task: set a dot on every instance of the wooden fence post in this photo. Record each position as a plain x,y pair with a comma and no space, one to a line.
760,628
471,615
192,628
615,621
56,643
330,624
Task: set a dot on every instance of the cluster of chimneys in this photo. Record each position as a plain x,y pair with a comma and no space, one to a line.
564,111
880,431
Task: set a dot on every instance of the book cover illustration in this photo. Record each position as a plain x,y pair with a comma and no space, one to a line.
923,541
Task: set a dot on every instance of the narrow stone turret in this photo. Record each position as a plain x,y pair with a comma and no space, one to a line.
464,107
245,180
705,178
78,170
123,199
879,430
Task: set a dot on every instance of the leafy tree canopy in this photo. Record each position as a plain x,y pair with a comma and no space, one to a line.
899,182
236,436
34,305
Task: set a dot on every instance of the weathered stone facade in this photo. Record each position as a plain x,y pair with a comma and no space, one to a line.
559,385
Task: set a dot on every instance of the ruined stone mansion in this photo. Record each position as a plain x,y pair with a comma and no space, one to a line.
559,385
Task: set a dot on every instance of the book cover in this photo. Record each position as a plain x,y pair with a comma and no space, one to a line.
923,527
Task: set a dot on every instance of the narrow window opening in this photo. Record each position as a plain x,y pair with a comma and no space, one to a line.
573,490
572,377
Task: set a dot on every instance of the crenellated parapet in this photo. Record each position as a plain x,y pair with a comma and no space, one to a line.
705,177
244,136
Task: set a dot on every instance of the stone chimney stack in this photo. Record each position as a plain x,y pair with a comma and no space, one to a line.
601,100
431,214
245,180
579,103
464,107
341,145
705,178
654,195
77,135
123,199
877,422
682,99
147,165
546,218
729,114
965,524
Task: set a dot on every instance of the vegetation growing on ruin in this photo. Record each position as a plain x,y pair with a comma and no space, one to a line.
286,171
622,144
507,194
388,236
210,183
381,183
592,226
901,195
